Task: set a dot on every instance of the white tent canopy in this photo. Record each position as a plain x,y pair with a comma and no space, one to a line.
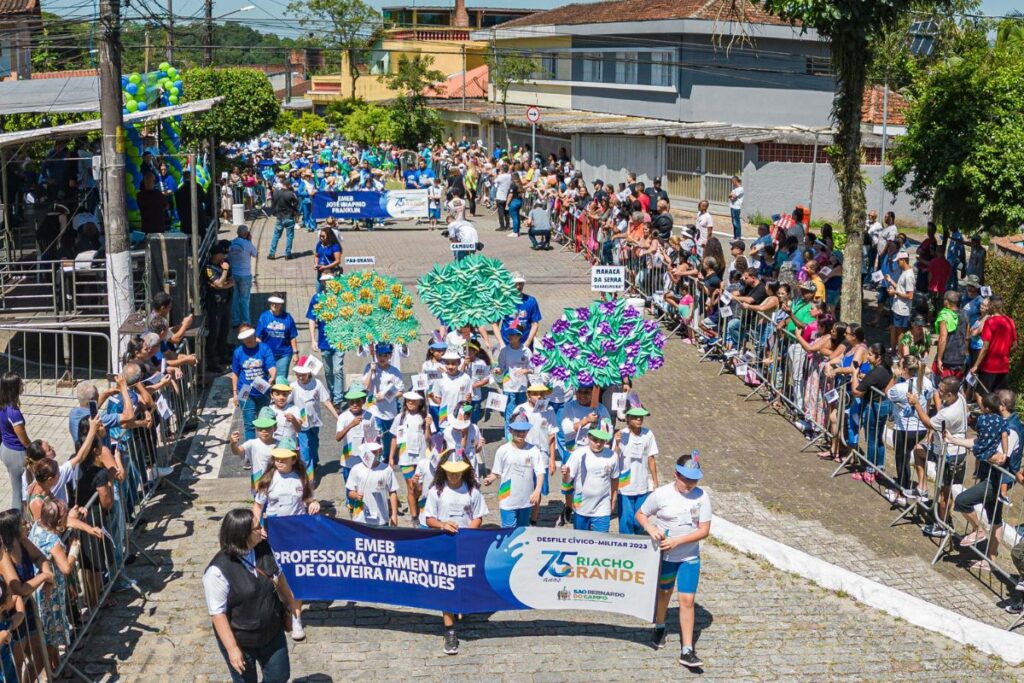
72,95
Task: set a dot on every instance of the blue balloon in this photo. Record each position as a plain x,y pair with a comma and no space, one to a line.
125,111
143,106
179,85
132,88
124,81
161,74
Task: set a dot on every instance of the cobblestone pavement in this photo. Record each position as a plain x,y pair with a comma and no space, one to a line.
756,623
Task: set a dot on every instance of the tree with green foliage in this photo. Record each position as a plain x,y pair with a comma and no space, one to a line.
850,27
964,145
338,111
369,124
308,125
284,122
506,69
350,26
249,107
413,121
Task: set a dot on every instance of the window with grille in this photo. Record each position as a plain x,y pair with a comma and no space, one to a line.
818,66
662,69
626,67
695,172
593,67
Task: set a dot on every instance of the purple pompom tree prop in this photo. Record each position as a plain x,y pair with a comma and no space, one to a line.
603,344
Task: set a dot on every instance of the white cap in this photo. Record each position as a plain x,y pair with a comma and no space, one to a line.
458,423
412,396
517,277
246,333
902,255
275,300
450,355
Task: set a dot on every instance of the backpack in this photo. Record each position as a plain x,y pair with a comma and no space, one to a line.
955,355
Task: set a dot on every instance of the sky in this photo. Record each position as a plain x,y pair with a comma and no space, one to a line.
267,13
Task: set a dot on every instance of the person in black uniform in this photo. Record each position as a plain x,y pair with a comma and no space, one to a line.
248,600
217,277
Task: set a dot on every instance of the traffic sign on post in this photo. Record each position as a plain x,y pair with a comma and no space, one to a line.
532,114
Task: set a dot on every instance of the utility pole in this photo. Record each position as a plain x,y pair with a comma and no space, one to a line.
115,218
208,47
169,52
287,80
145,54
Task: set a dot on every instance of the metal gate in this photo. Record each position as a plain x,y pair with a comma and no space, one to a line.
696,172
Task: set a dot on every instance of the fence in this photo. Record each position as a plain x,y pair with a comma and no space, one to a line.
881,438
59,620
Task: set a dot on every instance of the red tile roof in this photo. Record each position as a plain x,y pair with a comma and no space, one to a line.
72,73
872,109
476,85
11,7
643,10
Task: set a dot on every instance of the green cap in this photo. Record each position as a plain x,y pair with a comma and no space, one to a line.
266,419
288,443
355,393
599,434
637,412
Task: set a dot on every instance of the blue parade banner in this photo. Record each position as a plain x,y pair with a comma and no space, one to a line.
370,205
474,570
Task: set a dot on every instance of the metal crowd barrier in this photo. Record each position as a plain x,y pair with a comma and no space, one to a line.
99,569
757,347
64,287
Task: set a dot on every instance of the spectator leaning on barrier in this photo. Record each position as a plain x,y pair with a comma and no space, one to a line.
218,281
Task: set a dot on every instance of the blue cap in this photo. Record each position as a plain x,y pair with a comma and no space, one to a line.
693,473
585,385
438,346
521,426
384,348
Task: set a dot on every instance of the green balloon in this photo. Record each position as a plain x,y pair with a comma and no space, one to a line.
164,66
135,78
172,73
175,91
173,99
131,105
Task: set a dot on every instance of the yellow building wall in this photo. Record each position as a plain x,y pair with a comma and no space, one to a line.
447,56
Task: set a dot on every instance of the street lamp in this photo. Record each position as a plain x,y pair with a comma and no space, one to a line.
208,48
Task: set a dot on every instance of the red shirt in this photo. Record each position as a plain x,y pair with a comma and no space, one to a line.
645,201
939,271
1000,333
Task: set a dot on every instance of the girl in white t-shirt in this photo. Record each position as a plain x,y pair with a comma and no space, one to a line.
636,448
283,491
433,369
678,516
373,488
478,367
412,430
521,466
454,502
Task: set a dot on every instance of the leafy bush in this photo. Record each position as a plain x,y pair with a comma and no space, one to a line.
308,125
249,107
1005,275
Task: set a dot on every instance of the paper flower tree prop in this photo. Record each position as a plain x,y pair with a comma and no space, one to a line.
603,344
364,308
473,291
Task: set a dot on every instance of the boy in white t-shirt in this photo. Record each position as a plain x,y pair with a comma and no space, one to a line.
452,390
355,427
544,429
521,466
373,487
594,472
308,394
636,448
678,516
514,369
465,438
255,453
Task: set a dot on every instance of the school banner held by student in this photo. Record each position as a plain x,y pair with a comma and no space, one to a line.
370,205
473,570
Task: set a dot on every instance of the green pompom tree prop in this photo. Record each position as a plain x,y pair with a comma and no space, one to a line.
365,308
473,291
602,344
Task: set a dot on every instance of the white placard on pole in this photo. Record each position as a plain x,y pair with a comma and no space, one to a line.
360,260
463,246
608,278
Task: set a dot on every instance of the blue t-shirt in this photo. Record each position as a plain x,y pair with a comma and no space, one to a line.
276,332
250,363
321,327
79,413
325,253
9,417
115,407
973,310
989,429
527,313
412,178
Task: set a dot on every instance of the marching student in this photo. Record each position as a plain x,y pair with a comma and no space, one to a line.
433,369
308,394
454,502
411,430
452,390
421,480
372,486
284,491
465,438
255,453
478,365
383,383
355,427
594,473
636,448
289,418
520,466
575,419
678,516
514,368
544,428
